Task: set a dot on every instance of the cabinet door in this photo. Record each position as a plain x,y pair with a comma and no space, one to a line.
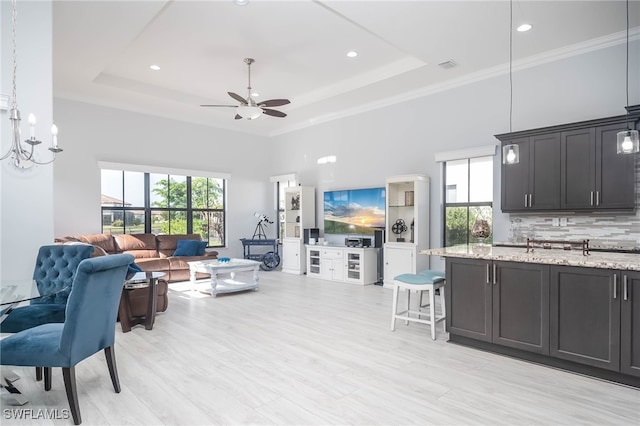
630,323
614,172
578,169
398,260
354,263
332,264
585,316
468,298
291,255
521,306
515,180
313,261
544,172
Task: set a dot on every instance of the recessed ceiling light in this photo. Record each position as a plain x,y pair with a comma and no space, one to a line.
352,53
241,2
155,67
255,94
524,27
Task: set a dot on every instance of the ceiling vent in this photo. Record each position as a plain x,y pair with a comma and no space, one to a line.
447,64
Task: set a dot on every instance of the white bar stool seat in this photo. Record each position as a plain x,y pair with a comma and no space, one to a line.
428,281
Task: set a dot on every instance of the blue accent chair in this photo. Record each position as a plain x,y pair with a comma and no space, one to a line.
55,269
89,326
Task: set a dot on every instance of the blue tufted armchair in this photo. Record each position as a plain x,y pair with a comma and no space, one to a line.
90,323
55,270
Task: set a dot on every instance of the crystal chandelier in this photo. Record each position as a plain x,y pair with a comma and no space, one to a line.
21,153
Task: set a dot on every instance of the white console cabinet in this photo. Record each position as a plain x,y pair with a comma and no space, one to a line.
299,214
343,264
407,226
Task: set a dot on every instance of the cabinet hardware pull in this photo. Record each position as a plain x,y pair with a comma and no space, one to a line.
615,286
488,273
597,198
525,200
530,202
591,197
625,287
495,273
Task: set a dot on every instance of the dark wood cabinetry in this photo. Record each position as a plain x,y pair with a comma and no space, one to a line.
630,324
585,316
572,167
500,302
582,319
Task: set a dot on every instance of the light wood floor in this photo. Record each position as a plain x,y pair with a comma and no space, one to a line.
301,351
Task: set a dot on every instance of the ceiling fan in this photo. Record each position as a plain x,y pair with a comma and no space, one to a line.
248,108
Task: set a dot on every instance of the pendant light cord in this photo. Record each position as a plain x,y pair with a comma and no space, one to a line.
627,68
510,66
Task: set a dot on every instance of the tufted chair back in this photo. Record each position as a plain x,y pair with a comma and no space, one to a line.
56,267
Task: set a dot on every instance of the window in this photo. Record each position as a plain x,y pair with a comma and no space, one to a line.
468,189
137,202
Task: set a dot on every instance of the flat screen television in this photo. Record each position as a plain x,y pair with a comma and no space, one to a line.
354,211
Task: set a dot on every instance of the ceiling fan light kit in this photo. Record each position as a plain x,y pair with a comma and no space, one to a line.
248,107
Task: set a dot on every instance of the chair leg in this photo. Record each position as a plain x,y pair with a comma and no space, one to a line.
47,378
394,307
69,376
38,374
113,370
406,322
432,311
444,309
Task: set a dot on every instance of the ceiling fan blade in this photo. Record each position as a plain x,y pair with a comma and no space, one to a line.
230,106
237,117
274,102
274,113
238,98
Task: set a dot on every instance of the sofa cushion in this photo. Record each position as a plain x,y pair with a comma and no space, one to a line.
167,244
153,264
180,262
103,241
139,245
190,248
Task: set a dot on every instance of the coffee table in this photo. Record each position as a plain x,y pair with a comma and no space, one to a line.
215,267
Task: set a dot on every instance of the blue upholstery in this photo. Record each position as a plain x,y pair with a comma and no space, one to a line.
90,321
55,269
433,275
414,279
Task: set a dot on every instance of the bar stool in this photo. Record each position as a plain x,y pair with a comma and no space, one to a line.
428,281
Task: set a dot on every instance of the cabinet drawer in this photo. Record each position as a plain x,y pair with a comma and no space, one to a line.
332,254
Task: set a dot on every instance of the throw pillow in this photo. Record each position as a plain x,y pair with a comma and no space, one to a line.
190,248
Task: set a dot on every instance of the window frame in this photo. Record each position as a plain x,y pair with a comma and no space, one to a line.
468,204
149,209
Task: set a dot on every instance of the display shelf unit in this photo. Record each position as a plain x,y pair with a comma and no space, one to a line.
407,225
343,264
299,214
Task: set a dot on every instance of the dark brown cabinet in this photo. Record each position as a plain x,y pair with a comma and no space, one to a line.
505,303
594,176
585,316
571,167
630,323
534,182
595,317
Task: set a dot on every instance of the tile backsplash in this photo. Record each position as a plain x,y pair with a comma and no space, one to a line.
602,229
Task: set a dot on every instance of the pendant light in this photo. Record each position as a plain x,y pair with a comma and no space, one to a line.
628,141
511,151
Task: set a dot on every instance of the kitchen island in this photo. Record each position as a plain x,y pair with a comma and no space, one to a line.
556,307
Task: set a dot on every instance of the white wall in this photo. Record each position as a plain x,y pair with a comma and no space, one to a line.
26,200
94,133
404,138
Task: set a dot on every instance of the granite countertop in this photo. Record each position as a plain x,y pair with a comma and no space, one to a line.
622,261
